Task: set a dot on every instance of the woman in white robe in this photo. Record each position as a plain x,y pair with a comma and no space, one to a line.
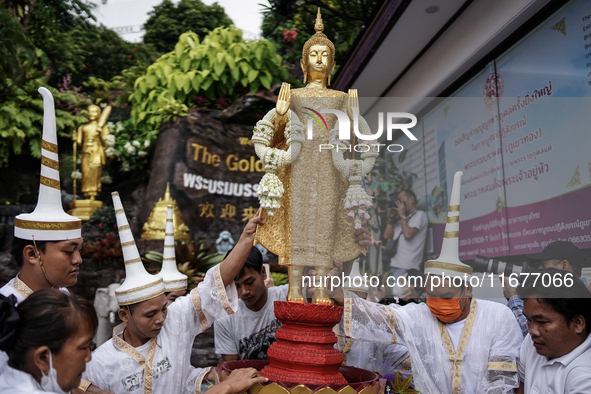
47,339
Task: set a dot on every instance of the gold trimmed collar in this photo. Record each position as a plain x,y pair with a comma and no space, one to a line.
21,287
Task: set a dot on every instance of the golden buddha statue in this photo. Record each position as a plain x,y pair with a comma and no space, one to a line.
91,137
310,228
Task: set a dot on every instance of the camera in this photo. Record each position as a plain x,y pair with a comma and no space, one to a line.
484,264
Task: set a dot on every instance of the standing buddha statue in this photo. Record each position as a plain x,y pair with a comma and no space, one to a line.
312,198
91,137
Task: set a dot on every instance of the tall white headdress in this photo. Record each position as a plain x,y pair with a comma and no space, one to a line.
173,279
48,222
448,262
138,285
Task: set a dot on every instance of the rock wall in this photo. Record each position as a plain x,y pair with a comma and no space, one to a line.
213,173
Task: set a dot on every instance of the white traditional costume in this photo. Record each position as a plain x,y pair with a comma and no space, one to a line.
14,381
376,357
476,355
48,222
161,365
175,281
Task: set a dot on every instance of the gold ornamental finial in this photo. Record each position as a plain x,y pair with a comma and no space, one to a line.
318,26
167,192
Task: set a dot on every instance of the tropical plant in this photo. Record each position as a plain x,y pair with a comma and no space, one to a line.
107,249
399,385
290,23
222,65
279,278
199,258
168,21
21,116
105,220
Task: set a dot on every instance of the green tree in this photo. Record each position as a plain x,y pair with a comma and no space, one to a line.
219,66
168,21
289,24
52,43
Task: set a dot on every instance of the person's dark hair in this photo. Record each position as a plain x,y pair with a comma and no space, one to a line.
47,317
18,245
569,301
254,261
409,193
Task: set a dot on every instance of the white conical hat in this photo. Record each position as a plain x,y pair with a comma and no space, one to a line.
448,262
173,279
48,222
356,284
138,285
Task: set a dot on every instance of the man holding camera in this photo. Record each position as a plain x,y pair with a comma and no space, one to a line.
562,255
407,226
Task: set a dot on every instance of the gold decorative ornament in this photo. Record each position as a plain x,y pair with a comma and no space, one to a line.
155,227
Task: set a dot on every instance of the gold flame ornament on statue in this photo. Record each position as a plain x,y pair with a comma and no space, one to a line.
155,227
312,199
90,137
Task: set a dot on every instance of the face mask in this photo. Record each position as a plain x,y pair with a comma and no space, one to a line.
49,382
446,309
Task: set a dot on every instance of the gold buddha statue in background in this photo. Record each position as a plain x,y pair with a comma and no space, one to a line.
90,137
311,227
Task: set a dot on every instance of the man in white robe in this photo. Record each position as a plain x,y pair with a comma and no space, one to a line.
47,242
457,344
162,363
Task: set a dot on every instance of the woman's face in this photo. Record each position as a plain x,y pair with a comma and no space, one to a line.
71,361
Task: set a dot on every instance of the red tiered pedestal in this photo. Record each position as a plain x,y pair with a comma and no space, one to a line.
304,351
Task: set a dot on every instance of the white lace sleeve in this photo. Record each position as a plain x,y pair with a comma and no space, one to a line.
502,374
368,321
208,302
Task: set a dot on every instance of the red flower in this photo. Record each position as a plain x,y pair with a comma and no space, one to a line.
290,35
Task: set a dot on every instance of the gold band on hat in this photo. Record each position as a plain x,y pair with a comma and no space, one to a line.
453,219
448,266
119,211
133,261
48,146
50,182
130,243
451,234
169,246
454,208
175,289
169,220
123,228
169,234
53,164
30,225
146,298
139,287
169,259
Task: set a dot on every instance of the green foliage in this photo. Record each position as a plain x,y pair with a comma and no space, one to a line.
279,278
168,21
21,117
53,43
108,55
128,149
193,259
343,21
217,67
